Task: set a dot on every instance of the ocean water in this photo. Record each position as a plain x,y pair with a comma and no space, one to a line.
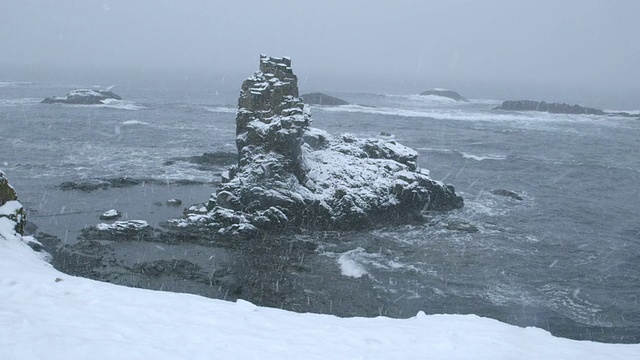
565,258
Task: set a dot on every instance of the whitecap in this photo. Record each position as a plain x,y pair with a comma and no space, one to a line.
14,83
121,105
22,101
483,157
219,109
135,122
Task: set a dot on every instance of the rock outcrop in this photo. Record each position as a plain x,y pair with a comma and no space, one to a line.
13,219
322,99
83,97
11,211
445,93
292,176
554,108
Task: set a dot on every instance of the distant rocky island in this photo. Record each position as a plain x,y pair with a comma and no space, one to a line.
292,176
554,108
446,94
83,97
318,98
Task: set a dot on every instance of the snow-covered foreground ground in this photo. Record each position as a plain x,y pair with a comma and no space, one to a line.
45,314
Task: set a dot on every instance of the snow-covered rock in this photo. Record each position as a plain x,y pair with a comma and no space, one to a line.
110,215
13,219
118,231
290,175
83,97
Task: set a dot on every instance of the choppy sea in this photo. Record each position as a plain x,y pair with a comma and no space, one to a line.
565,258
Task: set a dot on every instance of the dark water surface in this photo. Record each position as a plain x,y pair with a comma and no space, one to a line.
565,258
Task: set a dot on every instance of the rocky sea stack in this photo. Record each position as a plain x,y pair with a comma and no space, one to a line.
290,176
83,97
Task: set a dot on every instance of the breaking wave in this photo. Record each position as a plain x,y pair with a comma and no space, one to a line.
460,113
120,105
14,83
15,102
464,154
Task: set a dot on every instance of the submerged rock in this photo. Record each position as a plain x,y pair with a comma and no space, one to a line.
83,97
292,176
555,108
445,93
174,202
322,99
508,193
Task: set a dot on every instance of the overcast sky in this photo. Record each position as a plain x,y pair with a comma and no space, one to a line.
568,44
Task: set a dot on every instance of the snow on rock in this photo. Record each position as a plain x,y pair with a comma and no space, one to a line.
13,219
83,97
46,314
110,215
120,226
290,175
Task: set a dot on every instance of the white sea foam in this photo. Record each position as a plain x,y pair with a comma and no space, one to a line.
483,157
220,109
464,154
121,105
14,102
14,83
568,301
134,122
533,120
349,266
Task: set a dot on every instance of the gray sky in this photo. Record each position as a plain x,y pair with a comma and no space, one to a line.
554,46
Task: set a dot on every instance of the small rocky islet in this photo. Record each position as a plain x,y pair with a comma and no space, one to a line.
555,108
83,97
318,98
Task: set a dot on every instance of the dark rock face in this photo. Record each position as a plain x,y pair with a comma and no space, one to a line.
10,208
83,97
554,108
7,193
291,176
445,93
322,99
